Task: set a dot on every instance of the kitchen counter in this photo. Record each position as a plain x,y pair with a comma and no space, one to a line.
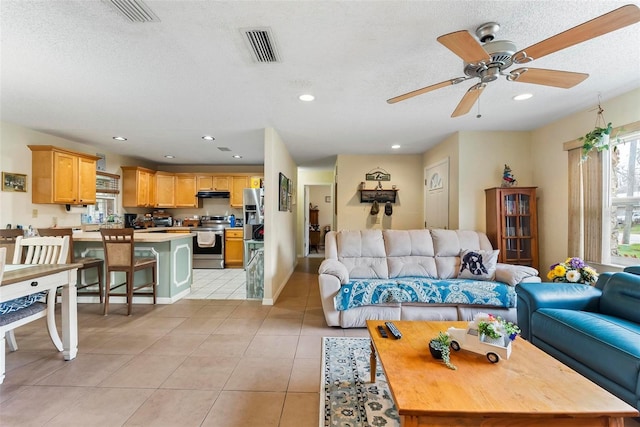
173,252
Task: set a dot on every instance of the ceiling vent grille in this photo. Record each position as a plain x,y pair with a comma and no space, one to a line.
134,10
224,148
262,45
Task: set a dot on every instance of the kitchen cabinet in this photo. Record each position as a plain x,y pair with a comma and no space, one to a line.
138,187
512,224
233,247
62,176
212,182
185,191
238,184
165,190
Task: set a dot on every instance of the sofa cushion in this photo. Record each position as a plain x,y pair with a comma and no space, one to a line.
514,274
478,264
621,297
409,253
606,344
363,253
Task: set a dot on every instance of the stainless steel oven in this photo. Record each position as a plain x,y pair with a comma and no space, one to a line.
208,243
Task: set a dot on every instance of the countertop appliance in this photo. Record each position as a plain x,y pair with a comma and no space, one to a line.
253,211
161,219
208,243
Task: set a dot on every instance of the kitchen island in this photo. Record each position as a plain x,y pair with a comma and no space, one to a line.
172,249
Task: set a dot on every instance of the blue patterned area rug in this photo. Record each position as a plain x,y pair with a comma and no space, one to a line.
347,398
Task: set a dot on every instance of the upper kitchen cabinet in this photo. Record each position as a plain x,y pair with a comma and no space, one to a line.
62,176
186,191
165,190
138,187
238,184
212,182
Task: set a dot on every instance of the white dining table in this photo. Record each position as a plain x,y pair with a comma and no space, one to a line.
22,280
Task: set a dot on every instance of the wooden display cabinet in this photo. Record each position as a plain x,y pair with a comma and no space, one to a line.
62,176
233,247
512,224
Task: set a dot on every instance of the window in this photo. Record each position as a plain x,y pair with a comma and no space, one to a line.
624,200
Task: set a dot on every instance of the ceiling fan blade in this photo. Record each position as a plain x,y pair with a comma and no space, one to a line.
465,46
540,76
468,100
421,91
614,20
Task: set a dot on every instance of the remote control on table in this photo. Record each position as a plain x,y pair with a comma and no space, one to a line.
383,332
394,330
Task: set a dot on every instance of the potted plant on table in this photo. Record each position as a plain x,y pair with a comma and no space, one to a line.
440,349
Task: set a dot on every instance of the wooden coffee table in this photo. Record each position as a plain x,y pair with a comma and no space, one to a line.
530,388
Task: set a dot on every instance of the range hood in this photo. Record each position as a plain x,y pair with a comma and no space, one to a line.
213,194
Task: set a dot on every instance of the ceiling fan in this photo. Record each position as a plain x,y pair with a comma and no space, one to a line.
490,60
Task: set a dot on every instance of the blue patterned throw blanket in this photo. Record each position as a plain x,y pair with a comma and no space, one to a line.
361,292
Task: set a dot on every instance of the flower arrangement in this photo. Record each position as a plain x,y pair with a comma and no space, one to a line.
573,270
495,326
440,349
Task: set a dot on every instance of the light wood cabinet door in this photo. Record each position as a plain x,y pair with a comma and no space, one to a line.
238,184
222,183
65,178
62,176
87,181
186,191
165,190
233,248
212,182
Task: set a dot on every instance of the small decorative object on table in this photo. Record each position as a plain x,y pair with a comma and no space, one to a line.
440,349
508,180
573,270
486,334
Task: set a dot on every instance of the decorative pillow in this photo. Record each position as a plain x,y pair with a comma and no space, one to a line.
514,274
478,264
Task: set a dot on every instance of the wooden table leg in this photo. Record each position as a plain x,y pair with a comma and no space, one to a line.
372,363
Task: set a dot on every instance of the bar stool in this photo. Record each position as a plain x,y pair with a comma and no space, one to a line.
8,240
119,256
87,262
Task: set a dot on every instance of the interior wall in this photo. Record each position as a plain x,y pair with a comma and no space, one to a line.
550,171
16,208
406,173
280,227
481,164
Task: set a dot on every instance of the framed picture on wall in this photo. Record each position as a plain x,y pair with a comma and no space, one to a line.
283,193
14,182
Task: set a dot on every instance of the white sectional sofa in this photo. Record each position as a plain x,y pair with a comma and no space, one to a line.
415,275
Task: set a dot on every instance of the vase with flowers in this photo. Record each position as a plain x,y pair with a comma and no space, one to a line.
495,329
572,270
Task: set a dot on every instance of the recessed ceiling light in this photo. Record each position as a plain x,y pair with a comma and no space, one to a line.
306,97
522,96
395,146
208,138
237,156
169,156
119,138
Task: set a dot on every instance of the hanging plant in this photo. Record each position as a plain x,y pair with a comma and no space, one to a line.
599,138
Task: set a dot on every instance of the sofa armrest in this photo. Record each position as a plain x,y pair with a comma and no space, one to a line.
335,268
512,274
534,296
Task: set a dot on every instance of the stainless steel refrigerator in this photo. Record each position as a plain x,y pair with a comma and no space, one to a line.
253,213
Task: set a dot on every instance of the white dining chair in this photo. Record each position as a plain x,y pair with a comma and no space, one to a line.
33,250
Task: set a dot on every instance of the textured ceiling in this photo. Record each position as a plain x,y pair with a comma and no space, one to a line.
80,70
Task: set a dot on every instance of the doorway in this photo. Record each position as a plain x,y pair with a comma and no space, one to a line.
318,218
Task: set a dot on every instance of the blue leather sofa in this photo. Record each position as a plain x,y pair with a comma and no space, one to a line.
594,330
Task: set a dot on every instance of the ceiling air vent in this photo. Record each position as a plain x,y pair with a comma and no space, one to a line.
262,45
134,10
224,148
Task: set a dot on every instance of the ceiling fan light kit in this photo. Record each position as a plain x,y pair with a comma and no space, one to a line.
490,60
